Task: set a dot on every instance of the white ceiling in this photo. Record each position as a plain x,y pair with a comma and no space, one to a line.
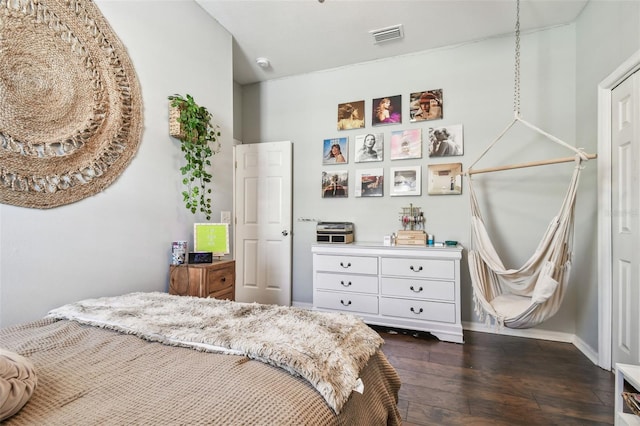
301,36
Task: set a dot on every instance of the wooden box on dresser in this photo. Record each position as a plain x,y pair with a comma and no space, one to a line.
217,279
415,288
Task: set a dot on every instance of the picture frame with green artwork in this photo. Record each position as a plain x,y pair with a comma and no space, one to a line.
211,237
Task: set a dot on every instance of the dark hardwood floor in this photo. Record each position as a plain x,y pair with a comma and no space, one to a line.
497,380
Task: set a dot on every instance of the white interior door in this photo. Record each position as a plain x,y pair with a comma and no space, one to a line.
625,220
263,188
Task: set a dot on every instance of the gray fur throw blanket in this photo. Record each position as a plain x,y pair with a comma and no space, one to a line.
327,349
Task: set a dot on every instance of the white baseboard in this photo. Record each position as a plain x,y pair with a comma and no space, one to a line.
533,333
302,305
587,350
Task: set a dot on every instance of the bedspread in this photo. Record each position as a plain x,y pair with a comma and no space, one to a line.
89,375
328,349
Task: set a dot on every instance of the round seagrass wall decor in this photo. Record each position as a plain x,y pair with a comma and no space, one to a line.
70,103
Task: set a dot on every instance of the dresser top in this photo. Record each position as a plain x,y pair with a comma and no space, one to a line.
217,263
374,248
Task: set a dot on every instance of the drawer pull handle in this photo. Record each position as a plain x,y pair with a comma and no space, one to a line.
414,290
345,285
348,303
223,279
414,269
416,312
347,266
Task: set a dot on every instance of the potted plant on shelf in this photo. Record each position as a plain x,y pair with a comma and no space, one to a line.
200,139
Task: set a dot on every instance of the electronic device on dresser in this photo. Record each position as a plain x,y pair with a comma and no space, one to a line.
334,232
196,257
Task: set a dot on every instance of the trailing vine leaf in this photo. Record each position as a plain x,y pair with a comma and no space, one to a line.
200,141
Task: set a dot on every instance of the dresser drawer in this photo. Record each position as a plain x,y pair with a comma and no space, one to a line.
346,264
219,279
364,303
417,268
347,282
418,309
223,294
419,289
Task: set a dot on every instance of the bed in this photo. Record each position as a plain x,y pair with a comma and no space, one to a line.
154,358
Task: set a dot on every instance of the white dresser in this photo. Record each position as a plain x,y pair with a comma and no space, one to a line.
415,288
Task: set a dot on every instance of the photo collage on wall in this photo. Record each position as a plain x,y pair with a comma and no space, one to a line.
335,184
370,147
387,110
369,182
336,151
403,144
426,105
351,115
406,144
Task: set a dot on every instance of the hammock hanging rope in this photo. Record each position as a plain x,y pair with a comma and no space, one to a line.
527,296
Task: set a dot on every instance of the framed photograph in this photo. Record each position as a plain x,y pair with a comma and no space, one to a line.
406,181
369,183
335,184
351,115
446,141
369,147
387,110
406,144
335,151
445,179
213,237
425,105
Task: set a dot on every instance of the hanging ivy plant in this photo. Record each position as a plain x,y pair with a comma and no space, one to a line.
199,141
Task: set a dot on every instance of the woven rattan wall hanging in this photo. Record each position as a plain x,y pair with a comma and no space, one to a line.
70,103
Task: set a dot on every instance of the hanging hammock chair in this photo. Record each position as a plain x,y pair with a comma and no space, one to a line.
529,295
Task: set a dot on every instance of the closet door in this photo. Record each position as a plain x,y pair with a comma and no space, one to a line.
625,220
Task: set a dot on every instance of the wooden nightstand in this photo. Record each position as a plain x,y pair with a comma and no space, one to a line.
217,279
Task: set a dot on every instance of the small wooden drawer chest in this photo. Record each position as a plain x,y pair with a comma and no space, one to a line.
217,279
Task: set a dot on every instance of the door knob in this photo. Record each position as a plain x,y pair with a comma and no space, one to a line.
285,233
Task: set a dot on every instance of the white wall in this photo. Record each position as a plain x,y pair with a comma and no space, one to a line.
608,33
477,80
120,239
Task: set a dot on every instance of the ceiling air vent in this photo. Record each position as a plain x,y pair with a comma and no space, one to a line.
387,34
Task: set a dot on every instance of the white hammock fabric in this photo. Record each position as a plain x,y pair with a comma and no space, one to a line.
524,297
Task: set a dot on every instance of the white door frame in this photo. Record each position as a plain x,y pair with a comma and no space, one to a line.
605,88
233,199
